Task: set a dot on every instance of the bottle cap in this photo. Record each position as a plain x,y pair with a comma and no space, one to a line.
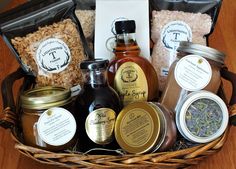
125,26
94,64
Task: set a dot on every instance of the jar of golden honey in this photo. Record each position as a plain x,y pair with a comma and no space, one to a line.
47,118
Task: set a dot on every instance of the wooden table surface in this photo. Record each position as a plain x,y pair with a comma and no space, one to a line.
223,38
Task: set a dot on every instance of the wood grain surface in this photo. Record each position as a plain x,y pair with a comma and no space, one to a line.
223,38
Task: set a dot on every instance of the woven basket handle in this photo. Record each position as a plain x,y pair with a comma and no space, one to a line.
9,118
230,76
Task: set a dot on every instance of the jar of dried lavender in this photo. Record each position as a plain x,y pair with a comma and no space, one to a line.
202,117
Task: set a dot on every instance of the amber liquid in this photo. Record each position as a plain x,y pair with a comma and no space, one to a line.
130,52
93,97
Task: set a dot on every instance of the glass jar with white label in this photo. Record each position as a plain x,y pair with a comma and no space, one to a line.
197,67
47,118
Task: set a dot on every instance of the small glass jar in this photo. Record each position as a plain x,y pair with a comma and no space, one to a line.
197,67
202,117
145,127
47,119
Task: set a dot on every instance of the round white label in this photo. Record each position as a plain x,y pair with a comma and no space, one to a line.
56,126
193,72
53,55
174,32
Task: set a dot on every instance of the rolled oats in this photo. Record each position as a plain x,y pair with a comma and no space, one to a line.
53,53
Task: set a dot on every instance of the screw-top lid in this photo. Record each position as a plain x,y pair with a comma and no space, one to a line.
45,97
94,64
125,26
204,51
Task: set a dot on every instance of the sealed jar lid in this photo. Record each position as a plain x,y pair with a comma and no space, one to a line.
205,51
137,128
202,117
45,97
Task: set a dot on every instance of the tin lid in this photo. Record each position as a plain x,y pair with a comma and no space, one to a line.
45,97
202,50
202,117
137,128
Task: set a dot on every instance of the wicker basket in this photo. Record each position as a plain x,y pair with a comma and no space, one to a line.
171,159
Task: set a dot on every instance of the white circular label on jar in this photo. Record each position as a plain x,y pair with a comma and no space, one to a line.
56,126
53,55
174,32
193,72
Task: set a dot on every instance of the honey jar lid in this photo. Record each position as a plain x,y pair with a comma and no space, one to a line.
137,128
45,97
204,51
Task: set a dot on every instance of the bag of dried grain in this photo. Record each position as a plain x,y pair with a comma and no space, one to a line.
85,12
175,21
47,40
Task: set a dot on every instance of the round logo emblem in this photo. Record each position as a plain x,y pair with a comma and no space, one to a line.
173,33
129,74
53,55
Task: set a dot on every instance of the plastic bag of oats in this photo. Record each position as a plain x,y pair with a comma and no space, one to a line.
175,21
47,39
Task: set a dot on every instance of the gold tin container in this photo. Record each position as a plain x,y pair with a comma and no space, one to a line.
137,128
145,127
47,101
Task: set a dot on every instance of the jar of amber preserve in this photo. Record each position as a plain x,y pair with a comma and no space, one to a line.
47,119
197,67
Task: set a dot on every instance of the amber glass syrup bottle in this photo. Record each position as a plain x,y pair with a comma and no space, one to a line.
96,108
132,76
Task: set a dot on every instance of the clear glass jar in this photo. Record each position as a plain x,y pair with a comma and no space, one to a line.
47,120
197,67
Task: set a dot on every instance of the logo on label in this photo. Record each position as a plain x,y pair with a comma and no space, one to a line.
131,83
193,72
173,33
53,55
129,74
100,125
56,126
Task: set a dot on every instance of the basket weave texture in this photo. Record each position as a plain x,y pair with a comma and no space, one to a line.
171,159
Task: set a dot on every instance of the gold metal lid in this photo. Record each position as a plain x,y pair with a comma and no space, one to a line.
137,128
45,97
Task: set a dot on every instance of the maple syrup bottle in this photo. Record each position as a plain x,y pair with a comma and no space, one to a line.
131,75
96,108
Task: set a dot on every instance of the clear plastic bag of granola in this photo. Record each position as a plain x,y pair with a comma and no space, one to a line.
179,20
42,28
85,11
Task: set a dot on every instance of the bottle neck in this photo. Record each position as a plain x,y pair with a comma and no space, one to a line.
126,45
95,78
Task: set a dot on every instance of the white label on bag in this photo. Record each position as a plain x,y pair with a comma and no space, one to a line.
174,32
193,72
56,126
53,55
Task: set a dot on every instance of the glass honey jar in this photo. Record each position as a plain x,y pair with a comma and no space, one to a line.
47,118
